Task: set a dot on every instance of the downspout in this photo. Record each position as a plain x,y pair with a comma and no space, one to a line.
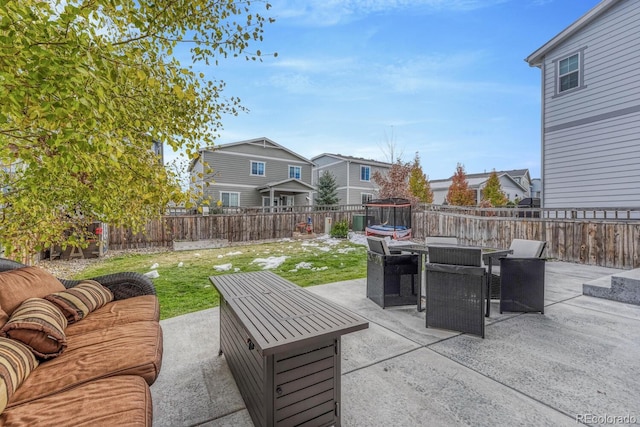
542,135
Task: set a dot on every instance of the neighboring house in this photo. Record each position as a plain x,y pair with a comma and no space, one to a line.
536,188
257,172
353,175
509,184
522,177
591,109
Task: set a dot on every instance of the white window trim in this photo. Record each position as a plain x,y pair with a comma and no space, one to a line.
289,171
362,167
370,195
290,200
237,193
264,168
556,73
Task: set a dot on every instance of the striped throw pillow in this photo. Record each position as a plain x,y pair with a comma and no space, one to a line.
77,302
16,363
39,324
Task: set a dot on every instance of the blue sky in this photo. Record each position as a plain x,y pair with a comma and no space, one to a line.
444,78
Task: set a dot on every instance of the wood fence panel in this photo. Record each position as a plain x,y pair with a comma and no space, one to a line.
559,241
609,250
582,238
635,245
611,243
592,245
619,246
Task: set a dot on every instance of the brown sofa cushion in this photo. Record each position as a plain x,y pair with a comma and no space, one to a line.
77,302
16,363
127,349
40,325
116,401
24,283
3,317
134,309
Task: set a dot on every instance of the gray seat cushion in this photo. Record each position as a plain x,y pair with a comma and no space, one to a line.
526,248
441,240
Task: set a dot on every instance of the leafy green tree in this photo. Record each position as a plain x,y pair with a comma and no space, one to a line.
327,189
86,87
459,193
492,191
419,183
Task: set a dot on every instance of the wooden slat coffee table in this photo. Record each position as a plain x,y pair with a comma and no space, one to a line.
282,344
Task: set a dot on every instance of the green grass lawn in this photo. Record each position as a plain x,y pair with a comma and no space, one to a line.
187,288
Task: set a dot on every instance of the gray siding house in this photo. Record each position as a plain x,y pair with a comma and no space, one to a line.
509,183
522,177
256,172
352,174
591,109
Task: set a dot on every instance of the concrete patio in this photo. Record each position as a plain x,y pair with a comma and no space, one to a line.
577,363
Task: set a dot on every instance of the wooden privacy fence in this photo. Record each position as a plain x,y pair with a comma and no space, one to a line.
244,227
605,243
608,243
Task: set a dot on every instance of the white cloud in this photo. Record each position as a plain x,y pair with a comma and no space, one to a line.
349,79
333,12
293,83
315,65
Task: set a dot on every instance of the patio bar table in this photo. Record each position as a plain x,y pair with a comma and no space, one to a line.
282,344
488,256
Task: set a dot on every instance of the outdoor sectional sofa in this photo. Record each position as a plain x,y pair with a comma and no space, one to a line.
91,366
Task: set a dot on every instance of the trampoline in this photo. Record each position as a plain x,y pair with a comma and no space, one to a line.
388,218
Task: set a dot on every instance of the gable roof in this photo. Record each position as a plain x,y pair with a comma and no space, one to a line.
264,141
512,173
536,58
474,180
353,159
298,185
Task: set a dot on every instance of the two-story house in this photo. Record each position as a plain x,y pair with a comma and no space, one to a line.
514,184
353,176
591,109
522,177
256,172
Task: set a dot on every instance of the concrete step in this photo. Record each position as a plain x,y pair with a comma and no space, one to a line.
622,287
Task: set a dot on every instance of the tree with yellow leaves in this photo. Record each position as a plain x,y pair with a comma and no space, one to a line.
86,87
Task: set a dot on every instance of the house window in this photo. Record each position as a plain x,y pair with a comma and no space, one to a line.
257,168
365,173
229,198
266,201
569,72
366,197
295,172
288,200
